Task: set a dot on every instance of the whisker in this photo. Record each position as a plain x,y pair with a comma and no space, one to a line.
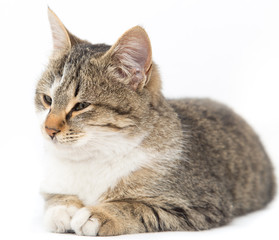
71,133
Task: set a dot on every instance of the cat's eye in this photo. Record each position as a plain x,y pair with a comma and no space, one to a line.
80,106
47,100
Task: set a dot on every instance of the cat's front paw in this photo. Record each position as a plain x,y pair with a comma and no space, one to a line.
58,218
83,224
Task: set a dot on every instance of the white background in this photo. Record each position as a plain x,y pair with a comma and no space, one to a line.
225,50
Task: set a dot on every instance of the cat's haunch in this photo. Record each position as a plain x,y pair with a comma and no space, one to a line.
123,159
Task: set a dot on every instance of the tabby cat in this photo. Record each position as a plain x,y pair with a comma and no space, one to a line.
123,159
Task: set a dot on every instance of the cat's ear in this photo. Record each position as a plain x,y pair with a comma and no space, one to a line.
62,38
133,56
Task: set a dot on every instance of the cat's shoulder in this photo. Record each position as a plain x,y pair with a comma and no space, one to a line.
198,106
202,111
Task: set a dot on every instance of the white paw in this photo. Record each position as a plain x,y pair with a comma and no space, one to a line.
58,218
82,224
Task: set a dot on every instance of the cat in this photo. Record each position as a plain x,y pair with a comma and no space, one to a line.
122,159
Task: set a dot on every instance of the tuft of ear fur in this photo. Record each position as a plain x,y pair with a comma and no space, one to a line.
133,56
62,38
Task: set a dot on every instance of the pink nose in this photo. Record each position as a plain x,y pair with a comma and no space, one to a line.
51,131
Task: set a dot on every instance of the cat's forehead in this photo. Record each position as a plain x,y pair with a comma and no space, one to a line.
77,63
80,52
77,74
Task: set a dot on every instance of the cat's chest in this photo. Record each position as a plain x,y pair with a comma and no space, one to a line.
89,179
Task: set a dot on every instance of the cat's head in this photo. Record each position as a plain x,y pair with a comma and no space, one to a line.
97,98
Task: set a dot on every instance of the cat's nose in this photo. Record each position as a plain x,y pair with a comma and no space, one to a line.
54,124
51,131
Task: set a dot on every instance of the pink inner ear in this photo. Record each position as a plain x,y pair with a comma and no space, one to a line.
133,56
60,36
134,50
137,77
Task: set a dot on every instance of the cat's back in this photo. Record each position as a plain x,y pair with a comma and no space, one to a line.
223,146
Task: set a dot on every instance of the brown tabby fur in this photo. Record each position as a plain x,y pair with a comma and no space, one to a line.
209,165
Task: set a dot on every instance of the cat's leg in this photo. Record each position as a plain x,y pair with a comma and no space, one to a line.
116,218
59,211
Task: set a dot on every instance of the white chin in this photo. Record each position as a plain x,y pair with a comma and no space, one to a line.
67,151
102,147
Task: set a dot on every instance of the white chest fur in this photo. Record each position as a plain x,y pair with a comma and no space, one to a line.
89,179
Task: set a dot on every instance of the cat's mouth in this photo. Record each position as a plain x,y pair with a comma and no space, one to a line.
64,140
54,140
61,138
